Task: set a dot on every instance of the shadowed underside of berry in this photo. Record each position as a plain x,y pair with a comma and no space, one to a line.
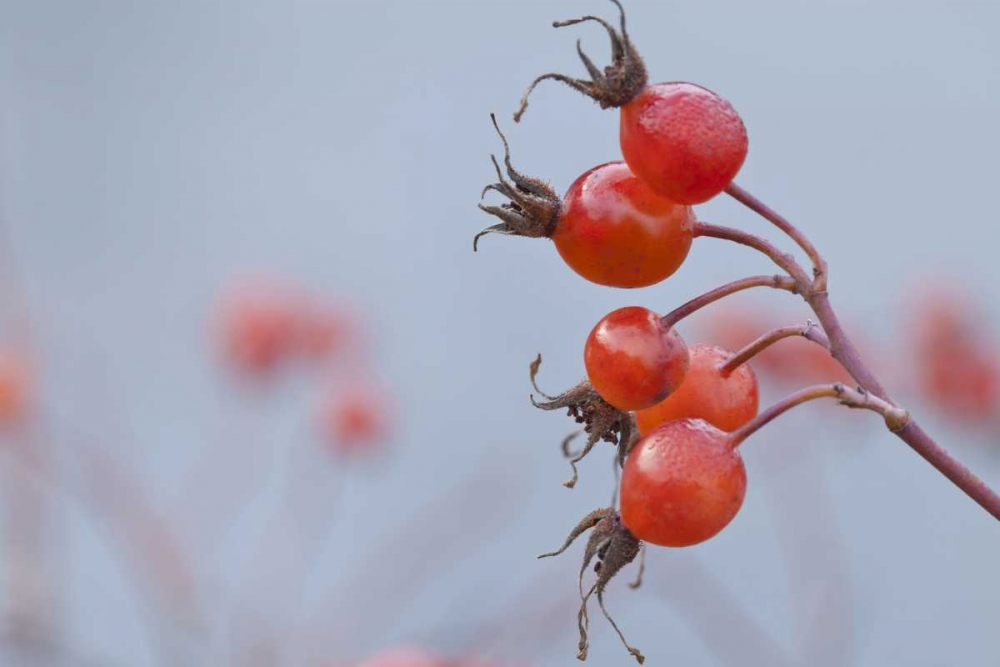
601,420
614,547
615,85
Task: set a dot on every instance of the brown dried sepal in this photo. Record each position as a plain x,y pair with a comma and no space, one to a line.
614,547
533,209
601,420
618,84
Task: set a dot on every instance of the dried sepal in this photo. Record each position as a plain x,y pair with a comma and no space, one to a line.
637,582
615,85
533,206
586,523
614,547
566,442
601,420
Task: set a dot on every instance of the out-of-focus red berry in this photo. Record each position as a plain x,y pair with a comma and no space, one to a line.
614,230
258,327
682,484
14,388
799,360
727,401
685,141
322,330
633,359
958,368
404,657
355,419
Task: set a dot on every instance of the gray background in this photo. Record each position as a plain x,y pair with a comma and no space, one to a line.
152,151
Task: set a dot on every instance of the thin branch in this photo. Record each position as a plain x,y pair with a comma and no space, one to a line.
895,417
779,221
809,331
697,303
911,433
784,260
843,351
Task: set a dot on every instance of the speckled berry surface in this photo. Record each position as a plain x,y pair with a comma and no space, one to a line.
682,484
685,141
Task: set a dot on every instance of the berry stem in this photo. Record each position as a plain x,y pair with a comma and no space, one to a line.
815,294
782,259
809,331
793,232
697,303
895,417
911,432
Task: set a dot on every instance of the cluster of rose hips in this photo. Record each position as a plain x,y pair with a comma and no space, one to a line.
677,414
265,326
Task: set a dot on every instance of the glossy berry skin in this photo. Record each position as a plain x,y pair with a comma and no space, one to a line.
633,360
614,230
684,140
682,484
726,401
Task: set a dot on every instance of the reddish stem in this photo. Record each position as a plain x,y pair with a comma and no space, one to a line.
779,221
895,417
911,433
846,354
782,259
809,331
697,303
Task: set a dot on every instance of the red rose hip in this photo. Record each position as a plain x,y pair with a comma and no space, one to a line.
682,484
633,360
614,230
685,141
726,400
